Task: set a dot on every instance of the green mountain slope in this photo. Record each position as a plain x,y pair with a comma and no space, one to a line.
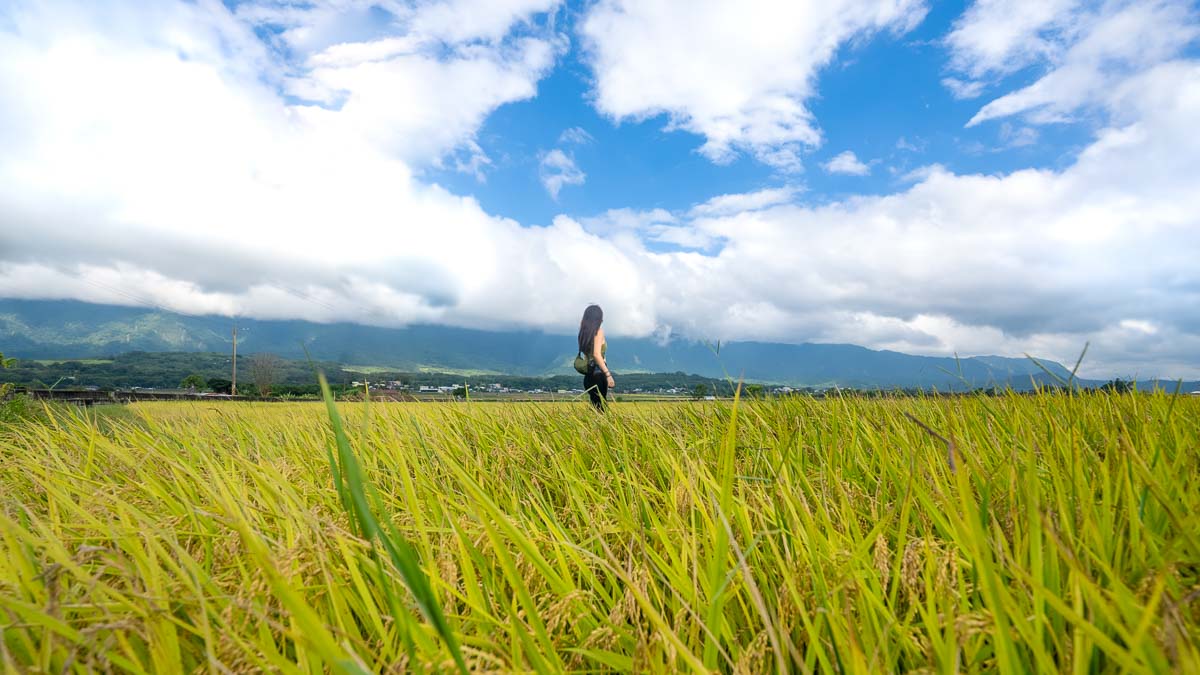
66,329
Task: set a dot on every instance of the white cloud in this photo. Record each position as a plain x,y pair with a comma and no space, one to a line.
133,174
557,169
139,146
1000,36
377,97
466,20
724,205
1146,327
848,164
633,231
363,27
404,75
471,159
1035,261
963,88
1087,50
1018,137
574,136
615,221
739,74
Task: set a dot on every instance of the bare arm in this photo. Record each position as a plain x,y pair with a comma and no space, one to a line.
598,356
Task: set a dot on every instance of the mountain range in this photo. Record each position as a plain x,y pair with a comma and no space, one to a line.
37,329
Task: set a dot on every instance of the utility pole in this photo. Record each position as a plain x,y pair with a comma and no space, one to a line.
233,388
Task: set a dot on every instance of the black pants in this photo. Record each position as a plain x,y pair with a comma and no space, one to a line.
596,384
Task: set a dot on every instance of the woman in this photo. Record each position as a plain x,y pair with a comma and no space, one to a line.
592,343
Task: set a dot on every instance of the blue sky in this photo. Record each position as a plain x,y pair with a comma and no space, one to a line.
882,100
980,177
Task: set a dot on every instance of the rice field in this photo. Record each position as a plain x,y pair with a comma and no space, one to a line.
1009,534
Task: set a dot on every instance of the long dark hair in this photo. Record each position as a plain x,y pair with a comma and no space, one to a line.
593,316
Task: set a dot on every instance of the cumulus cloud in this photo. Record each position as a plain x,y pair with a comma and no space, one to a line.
557,169
997,37
375,98
146,141
1036,260
415,78
848,164
158,155
738,74
1087,50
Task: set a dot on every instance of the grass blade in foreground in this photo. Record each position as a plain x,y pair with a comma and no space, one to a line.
400,551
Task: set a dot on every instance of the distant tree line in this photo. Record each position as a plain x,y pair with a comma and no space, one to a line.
267,374
264,374
167,370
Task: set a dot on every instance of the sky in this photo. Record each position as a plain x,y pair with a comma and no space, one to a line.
987,177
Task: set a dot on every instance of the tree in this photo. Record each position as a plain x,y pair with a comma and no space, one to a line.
264,369
754,390
194,382
15,408
219,385
6,363
700,391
